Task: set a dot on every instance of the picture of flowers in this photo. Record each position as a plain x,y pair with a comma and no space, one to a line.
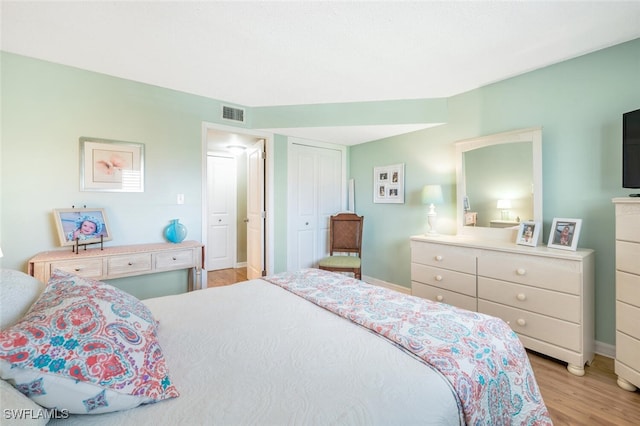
107,165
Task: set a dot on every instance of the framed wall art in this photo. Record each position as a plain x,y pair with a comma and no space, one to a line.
107,165
564,234
388,184
87,225
529,233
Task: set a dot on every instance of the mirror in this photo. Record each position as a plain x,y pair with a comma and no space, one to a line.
499,183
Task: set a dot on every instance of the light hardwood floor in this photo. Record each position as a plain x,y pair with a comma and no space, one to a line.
594,399
226,276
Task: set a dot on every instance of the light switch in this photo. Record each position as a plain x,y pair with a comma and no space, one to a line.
180,198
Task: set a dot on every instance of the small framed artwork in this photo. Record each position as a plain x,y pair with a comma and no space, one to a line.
529,233
565,233
388,184
107,165
88,226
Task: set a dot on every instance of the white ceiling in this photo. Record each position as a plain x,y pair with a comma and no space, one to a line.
265,53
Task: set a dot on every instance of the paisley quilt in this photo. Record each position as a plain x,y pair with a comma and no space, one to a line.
480,355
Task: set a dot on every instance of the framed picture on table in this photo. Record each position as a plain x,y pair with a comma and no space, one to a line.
86,225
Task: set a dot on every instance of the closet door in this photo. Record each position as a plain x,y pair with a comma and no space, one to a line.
316,184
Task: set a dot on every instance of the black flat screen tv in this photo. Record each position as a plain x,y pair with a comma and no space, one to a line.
631,149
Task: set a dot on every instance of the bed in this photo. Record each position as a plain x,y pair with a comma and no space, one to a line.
305,347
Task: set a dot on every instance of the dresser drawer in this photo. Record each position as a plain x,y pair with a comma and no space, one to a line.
627,225
628,256
444,296
628,288
627,350
443,256
444,278
536,271
88,268
628,320
557,332
558,305
129,264
178,259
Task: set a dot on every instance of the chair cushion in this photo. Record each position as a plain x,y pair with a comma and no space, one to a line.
340,262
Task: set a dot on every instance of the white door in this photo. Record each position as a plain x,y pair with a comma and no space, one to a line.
222,216
316,191
255,211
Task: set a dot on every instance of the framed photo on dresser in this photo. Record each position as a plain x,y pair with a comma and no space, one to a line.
565,234
529,233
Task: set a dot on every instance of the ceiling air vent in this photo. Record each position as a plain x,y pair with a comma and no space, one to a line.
235,114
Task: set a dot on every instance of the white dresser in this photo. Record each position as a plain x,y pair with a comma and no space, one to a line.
627,362
545,295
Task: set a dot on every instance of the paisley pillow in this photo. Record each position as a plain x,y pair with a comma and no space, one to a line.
86,347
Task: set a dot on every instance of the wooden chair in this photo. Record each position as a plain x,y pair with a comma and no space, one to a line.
345,235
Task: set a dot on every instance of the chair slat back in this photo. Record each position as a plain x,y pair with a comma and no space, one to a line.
346,233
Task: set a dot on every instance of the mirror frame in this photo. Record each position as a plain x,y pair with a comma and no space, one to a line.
532,134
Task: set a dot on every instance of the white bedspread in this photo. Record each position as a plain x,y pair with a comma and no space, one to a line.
253,353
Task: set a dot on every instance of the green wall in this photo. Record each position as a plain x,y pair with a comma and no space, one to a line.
46,108
579,103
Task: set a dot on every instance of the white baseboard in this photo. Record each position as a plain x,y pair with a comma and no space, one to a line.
601,348
605,349
240,265
385,284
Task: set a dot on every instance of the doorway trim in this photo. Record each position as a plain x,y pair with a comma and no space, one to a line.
269,244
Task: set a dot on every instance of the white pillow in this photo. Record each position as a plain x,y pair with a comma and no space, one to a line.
17,409
18,291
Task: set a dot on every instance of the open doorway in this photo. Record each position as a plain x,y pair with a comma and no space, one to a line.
234,180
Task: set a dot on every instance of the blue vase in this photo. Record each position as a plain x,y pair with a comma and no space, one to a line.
175,232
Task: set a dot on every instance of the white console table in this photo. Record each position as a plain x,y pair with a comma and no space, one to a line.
123,261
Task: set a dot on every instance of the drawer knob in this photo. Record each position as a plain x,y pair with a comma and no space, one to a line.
438,277
77,269
521,297
439,298
521,322
130,263
521,271
438,258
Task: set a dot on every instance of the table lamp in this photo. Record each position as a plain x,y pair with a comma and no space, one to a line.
504,205
431,195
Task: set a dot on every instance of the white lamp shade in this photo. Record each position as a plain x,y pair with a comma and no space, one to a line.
504,204
432,194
